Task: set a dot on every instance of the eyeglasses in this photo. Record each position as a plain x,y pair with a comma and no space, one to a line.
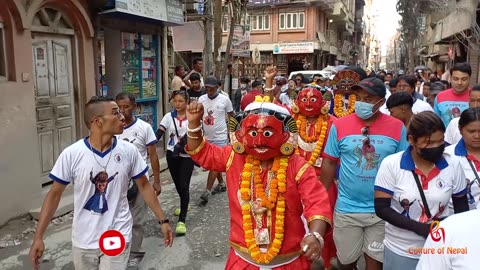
116,112
365,132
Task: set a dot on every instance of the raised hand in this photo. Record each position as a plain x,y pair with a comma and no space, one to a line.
194,113
270,72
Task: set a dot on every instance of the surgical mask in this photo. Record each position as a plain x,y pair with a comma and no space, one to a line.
364,110
432,154
243,86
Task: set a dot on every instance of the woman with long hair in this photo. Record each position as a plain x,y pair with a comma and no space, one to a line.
180,165
413,189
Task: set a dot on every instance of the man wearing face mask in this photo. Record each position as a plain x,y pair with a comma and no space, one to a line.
359,142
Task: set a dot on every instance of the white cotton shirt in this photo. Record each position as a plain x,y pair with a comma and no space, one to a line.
98,208
168,124
461,231
473,184
452,134
400,183
286,100
140,134
215,117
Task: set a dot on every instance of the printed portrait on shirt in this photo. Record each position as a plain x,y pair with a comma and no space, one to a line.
209,119
98,203
367,158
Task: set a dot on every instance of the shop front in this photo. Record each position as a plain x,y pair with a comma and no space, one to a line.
132,57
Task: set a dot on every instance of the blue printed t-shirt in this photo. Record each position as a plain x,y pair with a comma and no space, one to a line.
359,164
449,105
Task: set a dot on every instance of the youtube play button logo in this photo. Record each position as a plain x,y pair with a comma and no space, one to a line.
112,243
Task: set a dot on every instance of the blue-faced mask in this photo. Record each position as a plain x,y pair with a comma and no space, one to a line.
364,110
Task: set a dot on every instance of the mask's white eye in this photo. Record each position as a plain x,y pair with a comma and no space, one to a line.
253,133
313,99
268,133
304,99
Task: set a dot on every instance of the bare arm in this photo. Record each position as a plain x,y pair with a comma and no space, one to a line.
328,172
194,116
152,201
50,205
152,153
186,80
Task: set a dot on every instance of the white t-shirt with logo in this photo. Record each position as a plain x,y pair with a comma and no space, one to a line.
170,134
461,231
140,134
215,117
395,177
100,200
452,134
473,184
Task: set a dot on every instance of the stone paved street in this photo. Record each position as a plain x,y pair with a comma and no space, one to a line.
204,247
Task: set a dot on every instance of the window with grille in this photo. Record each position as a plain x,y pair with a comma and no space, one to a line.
291,20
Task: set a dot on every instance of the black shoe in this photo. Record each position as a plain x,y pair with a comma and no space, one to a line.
219,188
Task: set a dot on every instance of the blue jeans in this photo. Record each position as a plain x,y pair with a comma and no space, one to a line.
393,261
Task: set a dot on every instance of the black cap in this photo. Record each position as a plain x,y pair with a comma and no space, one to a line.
211,81
373,86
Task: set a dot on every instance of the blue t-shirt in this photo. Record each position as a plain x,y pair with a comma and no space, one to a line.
359,163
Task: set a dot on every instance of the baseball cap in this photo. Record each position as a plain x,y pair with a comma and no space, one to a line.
373,86
211,81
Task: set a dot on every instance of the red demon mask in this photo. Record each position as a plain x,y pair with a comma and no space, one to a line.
310,102
263,131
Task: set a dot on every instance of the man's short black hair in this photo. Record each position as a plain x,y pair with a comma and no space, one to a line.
256,84
462,67
196,60
92,109
393,83
317,75
195,77
178,68
128,95
245,80
398,99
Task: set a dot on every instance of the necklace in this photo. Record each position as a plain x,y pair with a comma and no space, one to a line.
274,200
339,109
94,157
321,127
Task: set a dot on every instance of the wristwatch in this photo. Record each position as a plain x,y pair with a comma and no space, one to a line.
164,221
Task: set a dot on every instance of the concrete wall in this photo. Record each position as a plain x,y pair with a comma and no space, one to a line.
19,163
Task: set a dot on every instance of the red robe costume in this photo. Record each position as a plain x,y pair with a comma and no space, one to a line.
329,250
305,196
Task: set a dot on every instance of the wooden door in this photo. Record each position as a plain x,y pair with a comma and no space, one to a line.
53,87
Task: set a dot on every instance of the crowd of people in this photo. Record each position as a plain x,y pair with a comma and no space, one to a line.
359,164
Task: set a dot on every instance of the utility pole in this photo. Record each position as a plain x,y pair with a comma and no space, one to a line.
208,27
395,54
217,43
232,10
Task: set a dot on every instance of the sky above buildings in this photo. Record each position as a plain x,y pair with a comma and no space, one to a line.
387,21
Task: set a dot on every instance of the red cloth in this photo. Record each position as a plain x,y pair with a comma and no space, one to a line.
329,251
249,98
306,197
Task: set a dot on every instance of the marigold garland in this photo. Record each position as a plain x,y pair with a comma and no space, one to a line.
338,105
277,188
321,127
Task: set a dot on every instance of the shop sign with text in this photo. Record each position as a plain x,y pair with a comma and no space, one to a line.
293,48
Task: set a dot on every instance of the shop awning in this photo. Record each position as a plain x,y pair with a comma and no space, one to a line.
189,37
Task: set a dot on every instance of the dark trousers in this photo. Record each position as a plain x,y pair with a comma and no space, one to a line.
181,171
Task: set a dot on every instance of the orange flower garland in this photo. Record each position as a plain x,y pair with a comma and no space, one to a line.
338,105
277,188
321,127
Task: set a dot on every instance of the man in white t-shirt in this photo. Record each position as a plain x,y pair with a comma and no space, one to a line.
458,247
217,108
100,168
197,68
142,136
452,134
